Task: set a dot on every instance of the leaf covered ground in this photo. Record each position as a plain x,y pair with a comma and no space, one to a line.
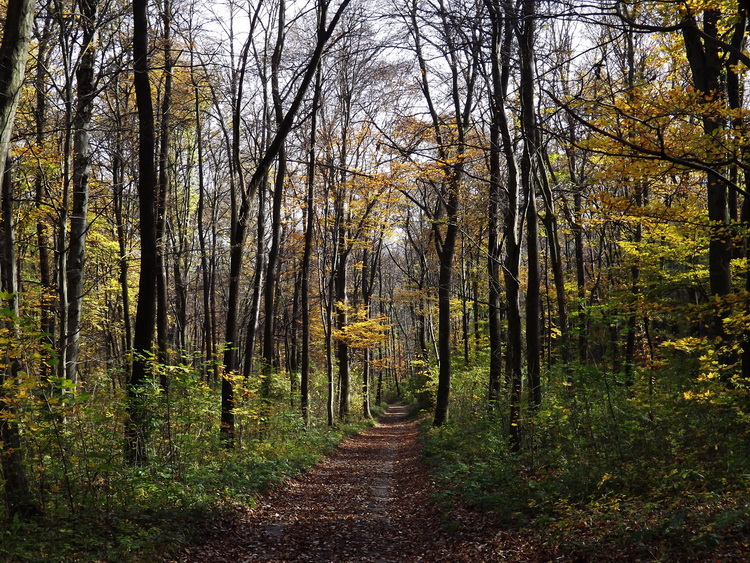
371,501
374,501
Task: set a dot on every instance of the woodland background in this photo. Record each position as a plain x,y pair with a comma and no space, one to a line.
230,232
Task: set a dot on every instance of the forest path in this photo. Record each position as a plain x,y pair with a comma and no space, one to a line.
370,501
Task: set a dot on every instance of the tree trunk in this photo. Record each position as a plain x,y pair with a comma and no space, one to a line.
342,350
47,307
500,52
307,253
269,294
706,67
464,305
118,185
528,160
533,331
206,272
86,92
162,190
145,319
13,53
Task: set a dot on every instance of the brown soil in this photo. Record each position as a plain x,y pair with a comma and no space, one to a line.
371,501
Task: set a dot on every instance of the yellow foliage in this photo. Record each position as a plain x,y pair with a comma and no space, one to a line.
362,332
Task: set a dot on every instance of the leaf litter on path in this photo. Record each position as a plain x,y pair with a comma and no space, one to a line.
369,502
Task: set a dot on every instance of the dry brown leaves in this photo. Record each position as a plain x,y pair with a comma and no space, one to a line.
371,502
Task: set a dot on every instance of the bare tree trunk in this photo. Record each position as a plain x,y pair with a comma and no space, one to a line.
269,345
258,273
47,307
533,342
13,53
528,161
504,15
307,253
117,189
499,138
145,320
342,350
162,190
464,305
706,66
86,92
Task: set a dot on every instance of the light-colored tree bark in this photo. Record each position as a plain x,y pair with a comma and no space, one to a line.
13,54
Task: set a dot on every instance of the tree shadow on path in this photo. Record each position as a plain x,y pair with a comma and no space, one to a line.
370,501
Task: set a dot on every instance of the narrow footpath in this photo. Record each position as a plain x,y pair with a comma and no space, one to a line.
370,501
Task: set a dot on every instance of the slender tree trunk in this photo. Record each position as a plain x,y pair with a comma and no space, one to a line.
370,266
86,91
258,274
118,185
533,331
13,53
269,294
512,254
240,207
47,307
580,276
444,312
502,19
341,282
549,220
528,160
734,95
208,331
293,352
494,255
307,253
162,190
145,319
329,306
61,242
464,305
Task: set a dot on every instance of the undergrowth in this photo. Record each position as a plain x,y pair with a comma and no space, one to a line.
606,471
98,508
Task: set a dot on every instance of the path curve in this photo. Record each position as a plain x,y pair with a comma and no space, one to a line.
369,502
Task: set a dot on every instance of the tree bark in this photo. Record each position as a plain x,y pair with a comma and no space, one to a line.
145,319
162,190
500,50
269,293
86,93
47,307
706,66
529,158
13,53
307,253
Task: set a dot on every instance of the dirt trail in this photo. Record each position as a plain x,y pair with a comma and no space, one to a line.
371,501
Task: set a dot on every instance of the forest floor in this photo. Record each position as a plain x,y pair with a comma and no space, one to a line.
371,501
